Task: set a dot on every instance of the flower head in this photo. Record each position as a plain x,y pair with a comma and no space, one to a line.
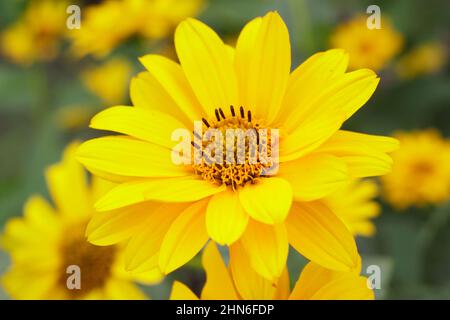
36,35
109,80
261,197
48,240
239,281
368,48
152,19
421,171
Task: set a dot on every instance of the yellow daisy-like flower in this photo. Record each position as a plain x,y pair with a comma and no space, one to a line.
421,171
355,205
239,281
249,88
368,48
35,36
424,59
152,19
109,80
47,240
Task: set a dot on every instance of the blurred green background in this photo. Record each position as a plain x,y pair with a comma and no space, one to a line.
412,247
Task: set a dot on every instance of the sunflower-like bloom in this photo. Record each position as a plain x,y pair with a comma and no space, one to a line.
355,205
152,19
109,80
421,172
424,59
36,35
47,241
239,281
368,48
248,88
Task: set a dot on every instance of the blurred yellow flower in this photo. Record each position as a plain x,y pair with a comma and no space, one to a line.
108,81
239,281
46,241
108,24
355,205
238,203
424,59
35,37
421,171
368,48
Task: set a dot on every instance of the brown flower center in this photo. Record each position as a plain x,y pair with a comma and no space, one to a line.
242,149
94,262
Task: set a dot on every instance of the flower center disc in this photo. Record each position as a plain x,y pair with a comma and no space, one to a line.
95,263
244,152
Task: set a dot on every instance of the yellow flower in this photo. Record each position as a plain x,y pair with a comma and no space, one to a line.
368,48
237,203
153,19
35,36
355,205
109,80
421,171
239,281
424,59
46,241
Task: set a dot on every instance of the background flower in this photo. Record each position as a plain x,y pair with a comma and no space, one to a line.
47,240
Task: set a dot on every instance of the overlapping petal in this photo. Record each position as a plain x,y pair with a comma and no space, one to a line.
320,236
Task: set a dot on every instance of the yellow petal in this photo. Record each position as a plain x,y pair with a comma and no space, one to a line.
266,247
249,284
149,125
118,289
107,228
268,200
283,287
310,135
364,154
170,76
306,82
346,287
128,157
68,185
184,239
219,284
312,278
329,109
21,285
206,64
316,233
358,85
142,251
41,216
183,189
226,220
147,93
318,283
314,176
181,292
263,62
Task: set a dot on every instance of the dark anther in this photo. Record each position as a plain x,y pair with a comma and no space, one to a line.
205,122
195,145
241,109
196,134
216,112
232,111
249,116
221,113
